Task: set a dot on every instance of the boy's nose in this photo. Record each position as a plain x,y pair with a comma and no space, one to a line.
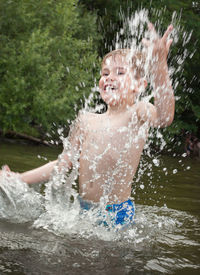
111,77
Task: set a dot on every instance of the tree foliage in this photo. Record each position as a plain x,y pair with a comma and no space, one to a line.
47,57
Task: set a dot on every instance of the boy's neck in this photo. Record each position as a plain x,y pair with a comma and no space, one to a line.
115,110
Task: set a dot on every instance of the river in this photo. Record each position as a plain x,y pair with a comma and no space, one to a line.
164,240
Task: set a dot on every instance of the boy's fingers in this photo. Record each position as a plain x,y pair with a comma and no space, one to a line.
151,27
169,44
6,168
152,30
168,31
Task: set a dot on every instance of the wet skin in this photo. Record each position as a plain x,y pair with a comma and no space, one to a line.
112,142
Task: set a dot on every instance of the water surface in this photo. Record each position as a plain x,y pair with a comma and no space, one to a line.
164,240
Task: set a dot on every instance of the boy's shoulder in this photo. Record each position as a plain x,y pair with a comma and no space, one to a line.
145,111
86,119
84,116
144,104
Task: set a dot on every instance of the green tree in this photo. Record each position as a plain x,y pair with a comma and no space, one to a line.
47,57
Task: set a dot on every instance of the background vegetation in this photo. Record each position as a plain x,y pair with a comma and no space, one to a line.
50,53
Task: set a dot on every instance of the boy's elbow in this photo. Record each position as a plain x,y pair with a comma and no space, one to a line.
169,118
167,121
65,161
170,121
162,122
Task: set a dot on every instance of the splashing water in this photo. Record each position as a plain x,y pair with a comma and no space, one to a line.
59,210
18,203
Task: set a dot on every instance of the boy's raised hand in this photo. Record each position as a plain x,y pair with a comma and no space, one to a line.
159,45
157,50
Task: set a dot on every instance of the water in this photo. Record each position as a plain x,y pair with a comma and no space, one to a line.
45,232
165,239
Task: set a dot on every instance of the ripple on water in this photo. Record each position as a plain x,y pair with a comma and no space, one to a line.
154,243
161,240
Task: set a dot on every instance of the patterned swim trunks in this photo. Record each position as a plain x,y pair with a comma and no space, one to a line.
113,214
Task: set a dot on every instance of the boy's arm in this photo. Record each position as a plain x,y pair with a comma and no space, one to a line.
44,172
64,162
39,174
163,113
163,91
36,175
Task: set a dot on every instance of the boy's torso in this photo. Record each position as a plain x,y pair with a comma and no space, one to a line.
110,153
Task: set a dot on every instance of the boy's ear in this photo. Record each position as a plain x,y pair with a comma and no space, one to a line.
142,83
145,83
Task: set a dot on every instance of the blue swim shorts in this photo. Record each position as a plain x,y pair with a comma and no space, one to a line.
120,213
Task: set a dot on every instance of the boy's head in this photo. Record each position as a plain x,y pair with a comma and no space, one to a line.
121,76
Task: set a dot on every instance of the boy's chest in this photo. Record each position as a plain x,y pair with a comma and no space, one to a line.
106,138
111,140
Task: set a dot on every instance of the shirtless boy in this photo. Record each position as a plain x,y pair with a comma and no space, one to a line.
110,144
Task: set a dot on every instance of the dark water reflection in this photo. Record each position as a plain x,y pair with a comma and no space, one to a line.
165,240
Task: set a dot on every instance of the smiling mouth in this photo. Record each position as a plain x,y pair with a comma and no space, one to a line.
109,88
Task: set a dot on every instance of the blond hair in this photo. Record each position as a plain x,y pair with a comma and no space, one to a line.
137,60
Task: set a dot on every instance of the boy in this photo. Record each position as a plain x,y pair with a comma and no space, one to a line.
108,146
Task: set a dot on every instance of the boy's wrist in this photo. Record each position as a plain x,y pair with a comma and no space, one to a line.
19,175
160,71
159,64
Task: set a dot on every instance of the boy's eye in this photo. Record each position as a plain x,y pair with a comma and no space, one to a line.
120,73
105,74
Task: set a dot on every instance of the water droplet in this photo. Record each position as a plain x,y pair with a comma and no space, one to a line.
156,162
175,171
184,155
76,265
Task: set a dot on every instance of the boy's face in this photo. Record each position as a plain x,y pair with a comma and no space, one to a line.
117,83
